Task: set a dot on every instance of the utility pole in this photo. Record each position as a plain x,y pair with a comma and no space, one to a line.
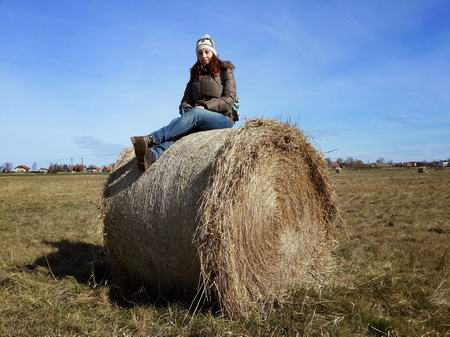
71,165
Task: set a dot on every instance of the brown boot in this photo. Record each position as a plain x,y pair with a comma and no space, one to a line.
144,156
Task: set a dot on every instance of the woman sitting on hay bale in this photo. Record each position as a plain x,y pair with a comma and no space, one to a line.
207,104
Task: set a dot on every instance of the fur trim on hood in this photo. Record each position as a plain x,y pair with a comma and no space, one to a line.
227,65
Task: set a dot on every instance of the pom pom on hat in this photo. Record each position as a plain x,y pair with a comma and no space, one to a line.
206,42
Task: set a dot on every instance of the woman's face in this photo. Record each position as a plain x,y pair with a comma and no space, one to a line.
204,56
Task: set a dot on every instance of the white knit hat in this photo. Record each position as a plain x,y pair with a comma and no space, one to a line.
206,42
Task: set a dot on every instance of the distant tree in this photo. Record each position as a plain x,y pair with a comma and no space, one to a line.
359,164
34,167
54,168
6,167
79,168
329,161
339,161
349,162
380,160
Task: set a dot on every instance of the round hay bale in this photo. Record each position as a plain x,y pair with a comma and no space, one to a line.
234,216
422,169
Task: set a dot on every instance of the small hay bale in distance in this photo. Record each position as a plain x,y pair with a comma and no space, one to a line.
422,169
235,216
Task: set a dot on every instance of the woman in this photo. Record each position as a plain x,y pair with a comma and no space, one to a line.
207,104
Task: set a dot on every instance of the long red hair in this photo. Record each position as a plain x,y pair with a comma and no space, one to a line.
213,67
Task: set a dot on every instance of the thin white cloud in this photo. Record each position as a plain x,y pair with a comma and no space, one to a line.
97,147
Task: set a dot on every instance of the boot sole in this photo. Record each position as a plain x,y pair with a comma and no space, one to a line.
142,153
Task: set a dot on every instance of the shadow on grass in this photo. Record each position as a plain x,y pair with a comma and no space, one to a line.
83,261
87,264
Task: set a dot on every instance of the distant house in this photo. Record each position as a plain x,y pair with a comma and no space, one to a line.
107,169
42,170
335,165
21,169
443,163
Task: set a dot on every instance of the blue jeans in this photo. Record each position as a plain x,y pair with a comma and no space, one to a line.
191,121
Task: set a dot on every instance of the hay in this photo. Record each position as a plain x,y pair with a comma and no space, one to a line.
235,216
422,169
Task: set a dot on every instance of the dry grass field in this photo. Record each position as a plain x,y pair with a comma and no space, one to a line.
392,273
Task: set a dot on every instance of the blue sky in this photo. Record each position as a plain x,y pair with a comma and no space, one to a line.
370,78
